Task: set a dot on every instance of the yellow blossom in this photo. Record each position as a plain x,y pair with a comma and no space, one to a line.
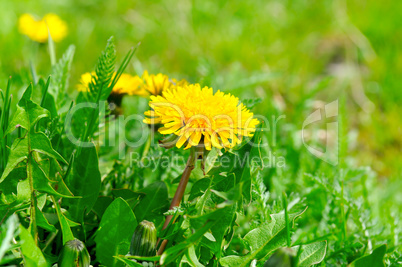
85,80
197,115
156,84
127,84
38,30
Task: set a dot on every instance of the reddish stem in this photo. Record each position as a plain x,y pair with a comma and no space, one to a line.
178,195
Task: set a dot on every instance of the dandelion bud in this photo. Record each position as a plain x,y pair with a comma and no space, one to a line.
74,253
143,242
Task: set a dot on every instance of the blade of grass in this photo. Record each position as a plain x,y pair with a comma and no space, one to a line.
52,50
42,101
4,124
62,130
92,120
33,73
124,64
6,120
88,130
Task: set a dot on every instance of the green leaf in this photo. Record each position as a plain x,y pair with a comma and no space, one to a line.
64,224
232,260
33,256
43,222
60,75
375,259
49,104
128,195
156,197
263,240
311,254
219,230
28,113
40,143
115,231
191,258
202,224
202,202
101,205
242,163
9,188
84,180
23,191
19,153
222,184
253,148
128,262
61,185
4,117
41,181
266,238
7,233
143,258
199,188
104,71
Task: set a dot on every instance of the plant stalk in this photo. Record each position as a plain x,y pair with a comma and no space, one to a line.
181,188
92,120
32,223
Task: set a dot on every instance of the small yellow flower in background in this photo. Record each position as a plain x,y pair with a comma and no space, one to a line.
85,80
127,84
130,85
38,30
197,115
156,84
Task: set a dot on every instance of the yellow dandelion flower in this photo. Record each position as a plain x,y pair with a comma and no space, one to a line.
182,82
38,30
127,84
130,85
197,115
85,80
156,84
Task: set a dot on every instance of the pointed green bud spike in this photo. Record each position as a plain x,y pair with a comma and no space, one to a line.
74,253
143,242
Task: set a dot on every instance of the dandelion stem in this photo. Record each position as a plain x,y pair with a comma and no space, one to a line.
179,193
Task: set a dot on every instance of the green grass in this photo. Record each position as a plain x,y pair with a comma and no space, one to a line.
292,55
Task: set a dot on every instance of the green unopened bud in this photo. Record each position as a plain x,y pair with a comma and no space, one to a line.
143,242
74,253
283,257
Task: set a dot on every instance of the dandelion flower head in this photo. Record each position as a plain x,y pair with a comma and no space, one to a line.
155,84
127,84
38,30
198,115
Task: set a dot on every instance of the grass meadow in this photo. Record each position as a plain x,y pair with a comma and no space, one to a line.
89,149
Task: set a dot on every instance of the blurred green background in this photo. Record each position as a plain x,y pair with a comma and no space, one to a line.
289,53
